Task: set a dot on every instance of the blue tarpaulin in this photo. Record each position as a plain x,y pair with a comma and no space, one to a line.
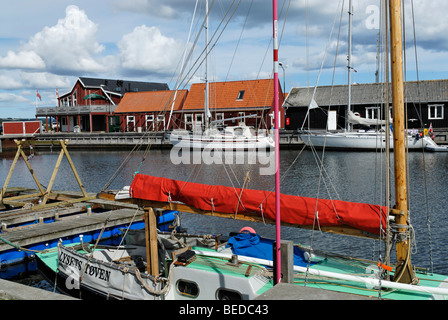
252,245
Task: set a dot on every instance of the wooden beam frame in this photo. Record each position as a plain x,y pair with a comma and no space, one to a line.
43,193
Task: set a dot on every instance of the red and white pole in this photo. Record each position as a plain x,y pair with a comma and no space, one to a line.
277,275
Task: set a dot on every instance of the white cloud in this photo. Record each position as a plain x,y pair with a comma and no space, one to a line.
45,80
8,82
147,6
12,98
69,46
147,49
22,60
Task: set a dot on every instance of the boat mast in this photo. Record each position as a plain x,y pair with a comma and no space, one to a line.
404,272
349,63
206,104
277,274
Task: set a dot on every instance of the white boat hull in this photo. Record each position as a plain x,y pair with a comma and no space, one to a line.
220,142
359,141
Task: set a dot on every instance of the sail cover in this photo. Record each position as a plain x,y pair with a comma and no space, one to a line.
355,119
294,209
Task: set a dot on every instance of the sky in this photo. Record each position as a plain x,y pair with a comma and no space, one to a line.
46,45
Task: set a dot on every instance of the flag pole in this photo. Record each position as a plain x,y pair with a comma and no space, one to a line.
277,257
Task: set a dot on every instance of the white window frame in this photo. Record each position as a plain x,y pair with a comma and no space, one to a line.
188,115
149,122
129,120
241,121
75,98
373,113
433,111
161,119
199,117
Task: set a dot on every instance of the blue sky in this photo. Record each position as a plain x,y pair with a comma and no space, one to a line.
46,45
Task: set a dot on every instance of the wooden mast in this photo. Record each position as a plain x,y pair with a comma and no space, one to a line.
404,272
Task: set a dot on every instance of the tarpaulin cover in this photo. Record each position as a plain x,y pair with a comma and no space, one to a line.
252,245
296,210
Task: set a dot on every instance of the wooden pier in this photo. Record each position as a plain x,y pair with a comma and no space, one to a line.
33,219
67,215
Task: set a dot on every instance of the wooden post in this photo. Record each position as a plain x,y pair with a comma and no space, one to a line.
287,261
152,257
25,158
69,159
404,272
53,177
5,185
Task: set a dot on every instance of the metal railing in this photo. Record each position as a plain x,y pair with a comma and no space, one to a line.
55,111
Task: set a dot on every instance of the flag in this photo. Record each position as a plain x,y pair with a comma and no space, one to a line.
57,93
38,95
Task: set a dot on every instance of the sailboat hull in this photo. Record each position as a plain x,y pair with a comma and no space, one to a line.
359,141
221,142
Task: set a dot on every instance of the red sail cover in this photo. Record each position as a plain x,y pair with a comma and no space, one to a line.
294,209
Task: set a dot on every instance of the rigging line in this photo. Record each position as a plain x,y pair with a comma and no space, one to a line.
322,65
182,62
239,39
428,215
211,45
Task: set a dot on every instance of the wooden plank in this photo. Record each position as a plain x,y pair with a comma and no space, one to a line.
65,228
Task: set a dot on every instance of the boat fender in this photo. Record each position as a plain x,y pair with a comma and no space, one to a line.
247,230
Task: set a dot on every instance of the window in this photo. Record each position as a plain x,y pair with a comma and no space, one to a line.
373,113
435,111
198,117
187,288
226,294
241,120
161,120
131,119
240,95
75,98
149,121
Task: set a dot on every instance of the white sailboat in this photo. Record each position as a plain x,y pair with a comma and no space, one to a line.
361,139
240,137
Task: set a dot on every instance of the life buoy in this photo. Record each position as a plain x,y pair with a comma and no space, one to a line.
425,132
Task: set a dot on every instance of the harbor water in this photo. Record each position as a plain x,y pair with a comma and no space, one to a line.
350,176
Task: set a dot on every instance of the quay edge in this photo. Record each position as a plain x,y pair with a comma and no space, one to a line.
10,290
120,140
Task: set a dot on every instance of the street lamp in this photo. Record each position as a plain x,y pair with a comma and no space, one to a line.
284,77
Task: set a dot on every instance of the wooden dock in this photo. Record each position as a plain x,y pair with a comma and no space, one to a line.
66,215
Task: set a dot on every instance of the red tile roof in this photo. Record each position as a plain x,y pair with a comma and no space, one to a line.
224,95
150,101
